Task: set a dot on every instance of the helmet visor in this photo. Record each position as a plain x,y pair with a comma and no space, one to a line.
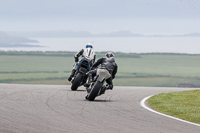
89,46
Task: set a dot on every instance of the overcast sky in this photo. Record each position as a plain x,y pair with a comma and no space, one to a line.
97,16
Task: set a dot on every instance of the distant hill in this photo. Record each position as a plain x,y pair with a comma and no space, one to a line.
74,34
180,35
192,35
8,45
123,33
7,40
82,34
55,34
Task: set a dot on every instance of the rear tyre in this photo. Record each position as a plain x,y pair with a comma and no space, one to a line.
94,91
77,81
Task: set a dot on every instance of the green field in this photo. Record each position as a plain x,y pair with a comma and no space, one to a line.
160,70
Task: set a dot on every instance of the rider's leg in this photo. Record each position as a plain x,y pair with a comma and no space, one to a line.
91,75
72,75
75,67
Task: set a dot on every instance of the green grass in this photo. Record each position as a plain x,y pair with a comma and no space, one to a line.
173,65
35,69
160,70
184,105
35,63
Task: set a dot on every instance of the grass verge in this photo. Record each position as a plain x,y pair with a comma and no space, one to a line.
159,70
184,105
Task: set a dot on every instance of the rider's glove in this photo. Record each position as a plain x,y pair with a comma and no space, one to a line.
93,68
76,59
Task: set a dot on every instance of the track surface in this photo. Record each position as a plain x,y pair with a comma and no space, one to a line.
57,109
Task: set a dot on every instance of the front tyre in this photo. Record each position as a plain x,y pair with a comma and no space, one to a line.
77,81
94,91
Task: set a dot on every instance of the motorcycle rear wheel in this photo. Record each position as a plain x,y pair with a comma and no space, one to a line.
94,91
77,81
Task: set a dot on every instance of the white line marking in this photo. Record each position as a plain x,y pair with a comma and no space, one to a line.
142,103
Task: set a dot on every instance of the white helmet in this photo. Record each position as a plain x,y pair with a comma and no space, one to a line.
89,45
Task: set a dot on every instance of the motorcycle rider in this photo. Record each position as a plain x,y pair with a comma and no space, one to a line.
87,52
107,63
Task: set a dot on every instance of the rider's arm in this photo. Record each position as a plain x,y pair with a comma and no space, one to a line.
114,71
94,58
99,61
78,55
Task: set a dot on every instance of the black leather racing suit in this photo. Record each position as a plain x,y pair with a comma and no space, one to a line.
108,64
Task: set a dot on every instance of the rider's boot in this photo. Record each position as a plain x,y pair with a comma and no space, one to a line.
110,83
72,75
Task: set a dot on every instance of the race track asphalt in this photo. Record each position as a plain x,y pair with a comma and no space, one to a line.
57,109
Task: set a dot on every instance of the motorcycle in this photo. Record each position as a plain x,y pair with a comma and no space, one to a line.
99,85
80,76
